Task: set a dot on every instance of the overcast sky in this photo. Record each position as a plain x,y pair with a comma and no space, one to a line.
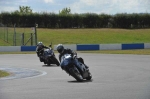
79,6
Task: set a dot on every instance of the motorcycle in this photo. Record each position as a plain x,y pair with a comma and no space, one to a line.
75,68
49,57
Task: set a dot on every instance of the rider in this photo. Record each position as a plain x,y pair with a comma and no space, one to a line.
40,50
62,51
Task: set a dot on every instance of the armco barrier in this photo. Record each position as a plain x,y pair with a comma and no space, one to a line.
81,47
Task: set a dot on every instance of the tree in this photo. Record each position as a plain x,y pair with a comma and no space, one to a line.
25,10
65,11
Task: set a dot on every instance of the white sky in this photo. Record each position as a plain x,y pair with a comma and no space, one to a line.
79,6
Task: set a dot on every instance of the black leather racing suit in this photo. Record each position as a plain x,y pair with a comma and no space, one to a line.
66,51
40,52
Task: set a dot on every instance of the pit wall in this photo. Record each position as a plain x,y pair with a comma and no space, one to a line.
81,47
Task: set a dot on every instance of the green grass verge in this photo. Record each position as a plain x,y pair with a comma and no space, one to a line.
3,73
93,36
87,36
135,52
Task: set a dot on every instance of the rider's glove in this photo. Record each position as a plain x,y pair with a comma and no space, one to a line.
74,56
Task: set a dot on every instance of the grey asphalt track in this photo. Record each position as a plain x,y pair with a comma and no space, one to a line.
114,77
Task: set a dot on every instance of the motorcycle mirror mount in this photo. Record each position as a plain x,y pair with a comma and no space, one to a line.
50,44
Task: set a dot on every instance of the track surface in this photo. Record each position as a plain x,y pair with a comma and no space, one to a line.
114,77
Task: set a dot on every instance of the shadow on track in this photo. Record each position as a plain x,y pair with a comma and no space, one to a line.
84,81
52,65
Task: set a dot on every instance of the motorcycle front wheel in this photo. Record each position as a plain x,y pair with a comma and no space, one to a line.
56,61
89,76
76,74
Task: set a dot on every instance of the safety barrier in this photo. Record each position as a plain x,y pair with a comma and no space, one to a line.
17,48
81,47
28,48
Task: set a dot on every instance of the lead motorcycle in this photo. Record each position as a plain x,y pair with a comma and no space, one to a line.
79,72
49,57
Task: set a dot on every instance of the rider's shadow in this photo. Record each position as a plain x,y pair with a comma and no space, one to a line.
84,81
51,65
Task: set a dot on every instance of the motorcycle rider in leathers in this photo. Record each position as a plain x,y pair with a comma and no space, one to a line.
62,51
40,50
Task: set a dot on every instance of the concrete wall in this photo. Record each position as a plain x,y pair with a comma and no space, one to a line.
17,48
71,46
10,49
81,47
110,47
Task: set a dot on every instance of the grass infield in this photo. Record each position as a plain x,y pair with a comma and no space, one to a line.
3,73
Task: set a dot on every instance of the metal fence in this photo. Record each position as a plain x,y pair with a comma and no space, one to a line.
16,36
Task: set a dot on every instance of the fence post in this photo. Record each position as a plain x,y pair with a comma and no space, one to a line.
4,33
35,34
14,42
31,39
22,38
7,33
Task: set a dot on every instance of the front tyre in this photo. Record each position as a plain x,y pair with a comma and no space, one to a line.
56,61
76,74
89,76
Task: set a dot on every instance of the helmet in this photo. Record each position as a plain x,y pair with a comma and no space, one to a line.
60,48
40,44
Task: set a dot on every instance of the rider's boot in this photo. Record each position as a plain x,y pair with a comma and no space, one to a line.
41,59
86,66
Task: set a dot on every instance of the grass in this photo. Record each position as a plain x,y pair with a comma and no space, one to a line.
135,52
3,74
88,36
93,36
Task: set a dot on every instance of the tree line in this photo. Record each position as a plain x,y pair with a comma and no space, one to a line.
26,18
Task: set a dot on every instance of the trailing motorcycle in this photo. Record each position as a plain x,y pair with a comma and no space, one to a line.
75,68
48,57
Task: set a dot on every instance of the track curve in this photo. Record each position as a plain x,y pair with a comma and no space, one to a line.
19,73
114,77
